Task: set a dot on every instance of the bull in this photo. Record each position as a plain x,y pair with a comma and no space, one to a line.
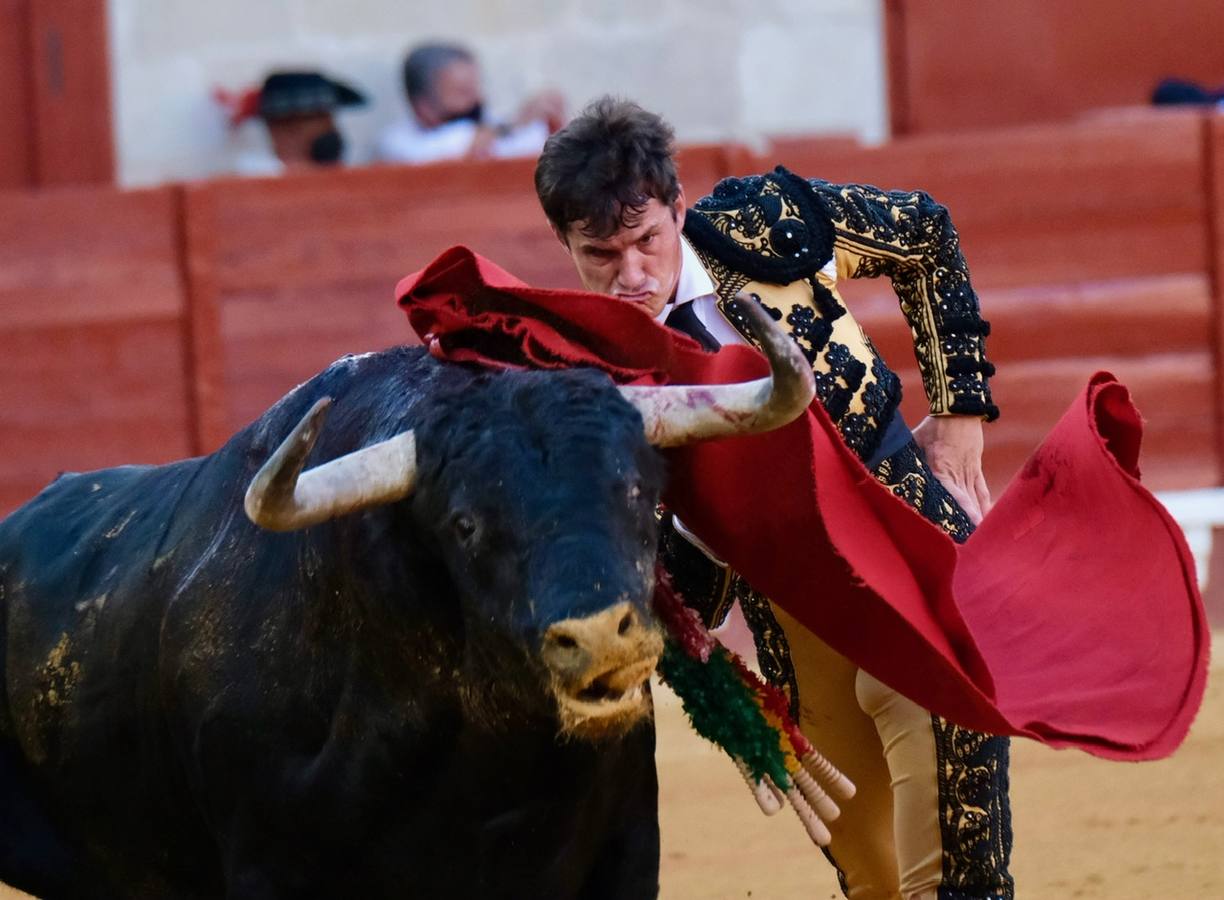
417,666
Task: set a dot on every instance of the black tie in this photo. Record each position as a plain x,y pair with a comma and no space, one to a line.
684,318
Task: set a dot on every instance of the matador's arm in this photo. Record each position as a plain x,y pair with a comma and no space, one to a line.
910,238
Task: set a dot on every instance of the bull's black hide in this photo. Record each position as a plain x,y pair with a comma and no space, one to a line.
194,707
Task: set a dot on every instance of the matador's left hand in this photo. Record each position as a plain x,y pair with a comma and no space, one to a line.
953,448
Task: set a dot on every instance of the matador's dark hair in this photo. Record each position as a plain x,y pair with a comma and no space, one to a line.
604,166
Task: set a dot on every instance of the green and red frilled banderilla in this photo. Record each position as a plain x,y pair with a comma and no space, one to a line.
733,707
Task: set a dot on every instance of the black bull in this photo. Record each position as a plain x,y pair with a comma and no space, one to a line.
438,697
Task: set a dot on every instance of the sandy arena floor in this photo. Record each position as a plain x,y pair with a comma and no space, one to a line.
1085,828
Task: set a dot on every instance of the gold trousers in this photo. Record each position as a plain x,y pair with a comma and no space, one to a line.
888,842
931,819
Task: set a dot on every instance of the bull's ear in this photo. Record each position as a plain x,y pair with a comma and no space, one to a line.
681,414
281,497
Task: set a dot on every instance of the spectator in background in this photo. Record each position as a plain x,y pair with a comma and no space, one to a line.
297,108
447,116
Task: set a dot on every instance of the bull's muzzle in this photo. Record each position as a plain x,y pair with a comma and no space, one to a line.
600,665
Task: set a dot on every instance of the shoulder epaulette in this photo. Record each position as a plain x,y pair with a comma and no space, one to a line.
768,227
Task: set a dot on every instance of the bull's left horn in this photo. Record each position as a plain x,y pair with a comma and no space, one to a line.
281,497
681,414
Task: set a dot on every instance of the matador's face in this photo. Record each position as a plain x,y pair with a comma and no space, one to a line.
640,263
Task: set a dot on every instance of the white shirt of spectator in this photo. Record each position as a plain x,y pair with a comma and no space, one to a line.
406,141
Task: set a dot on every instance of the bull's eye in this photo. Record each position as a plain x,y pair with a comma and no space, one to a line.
465,527
635,491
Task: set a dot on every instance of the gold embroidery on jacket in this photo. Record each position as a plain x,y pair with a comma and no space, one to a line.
908,237
852,382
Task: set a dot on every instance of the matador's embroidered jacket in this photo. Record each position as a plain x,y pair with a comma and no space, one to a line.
774,236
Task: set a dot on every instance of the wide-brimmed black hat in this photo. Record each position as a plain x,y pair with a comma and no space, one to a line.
288,94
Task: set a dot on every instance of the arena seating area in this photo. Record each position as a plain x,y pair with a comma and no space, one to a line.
141,326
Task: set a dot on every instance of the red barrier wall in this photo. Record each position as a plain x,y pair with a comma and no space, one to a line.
1050,203
958,64
1215,194
93,369
300,271
70,75
148,325
1091,246
16,154
54,93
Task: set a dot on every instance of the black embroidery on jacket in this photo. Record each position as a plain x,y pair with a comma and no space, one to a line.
809,332
768,227
829,308
910,238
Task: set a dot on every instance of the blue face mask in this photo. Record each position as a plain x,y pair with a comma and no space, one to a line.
327,148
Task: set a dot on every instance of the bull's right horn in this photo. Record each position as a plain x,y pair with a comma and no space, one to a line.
681,414
281,497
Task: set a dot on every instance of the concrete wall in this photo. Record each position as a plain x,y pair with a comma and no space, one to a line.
715,68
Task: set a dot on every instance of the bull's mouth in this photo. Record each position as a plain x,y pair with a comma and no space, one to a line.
608,705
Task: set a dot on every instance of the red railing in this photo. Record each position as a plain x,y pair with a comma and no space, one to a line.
142,326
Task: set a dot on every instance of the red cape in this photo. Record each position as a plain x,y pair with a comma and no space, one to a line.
1071,616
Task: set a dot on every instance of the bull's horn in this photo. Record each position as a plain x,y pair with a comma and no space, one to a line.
283,498
681,414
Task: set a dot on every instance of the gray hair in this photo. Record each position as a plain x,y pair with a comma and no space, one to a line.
424,62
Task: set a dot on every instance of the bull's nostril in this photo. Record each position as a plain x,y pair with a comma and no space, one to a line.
625,623
565,641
